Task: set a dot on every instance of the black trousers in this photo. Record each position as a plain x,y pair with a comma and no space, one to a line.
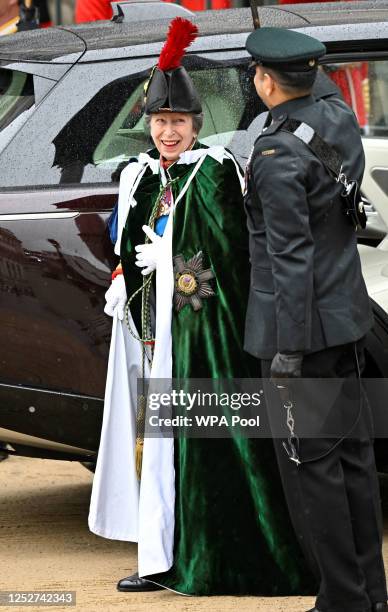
334,499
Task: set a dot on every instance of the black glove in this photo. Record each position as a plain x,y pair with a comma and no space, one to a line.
286,366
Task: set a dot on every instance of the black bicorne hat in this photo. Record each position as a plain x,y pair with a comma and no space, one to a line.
170,87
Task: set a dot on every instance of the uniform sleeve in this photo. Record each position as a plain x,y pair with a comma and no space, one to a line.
279,176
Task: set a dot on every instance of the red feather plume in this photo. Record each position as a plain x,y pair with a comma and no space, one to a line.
181,34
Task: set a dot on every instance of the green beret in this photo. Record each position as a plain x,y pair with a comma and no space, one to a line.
285,50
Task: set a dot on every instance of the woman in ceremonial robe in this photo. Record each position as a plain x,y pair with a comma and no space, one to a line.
209,515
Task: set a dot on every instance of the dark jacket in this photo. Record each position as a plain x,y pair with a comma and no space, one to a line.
307,290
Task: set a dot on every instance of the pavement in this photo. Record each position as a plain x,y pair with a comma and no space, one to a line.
45,545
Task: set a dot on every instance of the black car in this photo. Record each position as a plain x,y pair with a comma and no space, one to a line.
70,119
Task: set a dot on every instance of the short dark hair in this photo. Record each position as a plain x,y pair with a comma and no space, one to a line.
293,82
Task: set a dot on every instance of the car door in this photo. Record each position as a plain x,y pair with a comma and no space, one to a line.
56,258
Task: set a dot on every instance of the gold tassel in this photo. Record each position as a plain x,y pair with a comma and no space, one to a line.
140,422
139,456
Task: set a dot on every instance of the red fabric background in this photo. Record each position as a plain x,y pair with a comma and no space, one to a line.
92,10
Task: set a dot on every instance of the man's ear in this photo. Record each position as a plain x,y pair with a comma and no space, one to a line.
268,84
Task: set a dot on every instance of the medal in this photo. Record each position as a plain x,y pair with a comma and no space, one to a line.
191,282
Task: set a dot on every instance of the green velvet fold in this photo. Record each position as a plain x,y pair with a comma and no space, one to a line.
232,530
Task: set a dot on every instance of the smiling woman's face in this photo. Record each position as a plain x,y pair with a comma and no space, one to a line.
172,133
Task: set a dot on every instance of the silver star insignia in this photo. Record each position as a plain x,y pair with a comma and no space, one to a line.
191,282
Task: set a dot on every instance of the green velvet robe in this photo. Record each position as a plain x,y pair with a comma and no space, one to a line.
232,530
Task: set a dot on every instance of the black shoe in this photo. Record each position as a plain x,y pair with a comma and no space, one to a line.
136,585
3,455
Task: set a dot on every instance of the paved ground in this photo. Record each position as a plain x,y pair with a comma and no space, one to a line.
45,545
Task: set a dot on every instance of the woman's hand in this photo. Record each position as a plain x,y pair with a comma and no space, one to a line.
116,298
149,254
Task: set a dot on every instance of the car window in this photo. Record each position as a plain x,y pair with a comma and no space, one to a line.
88,136
364,86
16,98
375,92
227,105
117,130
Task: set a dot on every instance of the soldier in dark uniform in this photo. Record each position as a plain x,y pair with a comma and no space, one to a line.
309,311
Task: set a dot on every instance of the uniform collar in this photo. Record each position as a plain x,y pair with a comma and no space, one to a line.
288,108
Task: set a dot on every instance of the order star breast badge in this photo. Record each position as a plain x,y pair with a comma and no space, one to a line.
191,282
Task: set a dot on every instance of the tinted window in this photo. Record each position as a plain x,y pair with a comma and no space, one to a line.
16,97
86,137
364,86
229,106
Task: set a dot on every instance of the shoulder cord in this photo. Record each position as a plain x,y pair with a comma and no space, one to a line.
145,288
146,337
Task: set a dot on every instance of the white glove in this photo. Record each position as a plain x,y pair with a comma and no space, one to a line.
116,297
149,254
